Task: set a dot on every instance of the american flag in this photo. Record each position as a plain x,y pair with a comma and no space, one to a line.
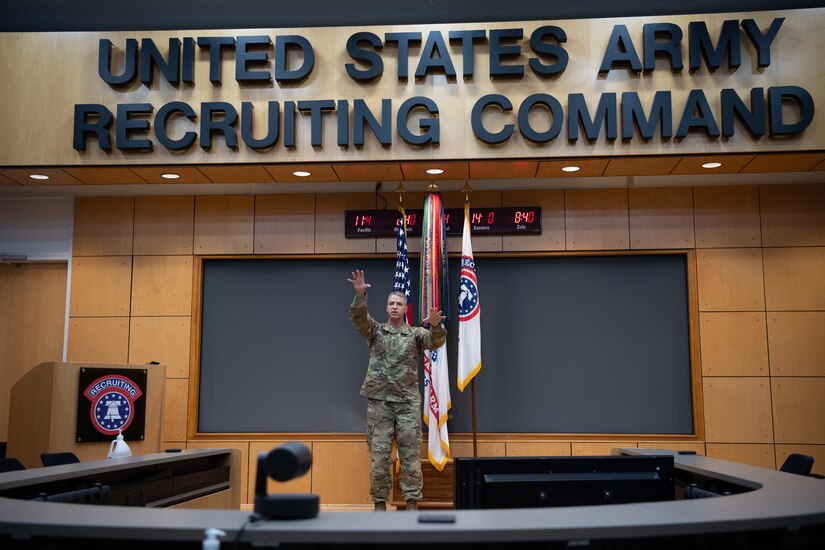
402,265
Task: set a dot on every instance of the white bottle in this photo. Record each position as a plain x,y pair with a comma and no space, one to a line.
118,448
211,541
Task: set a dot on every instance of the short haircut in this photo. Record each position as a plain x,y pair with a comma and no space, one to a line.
399,294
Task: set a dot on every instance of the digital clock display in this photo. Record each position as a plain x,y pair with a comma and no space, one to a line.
488,221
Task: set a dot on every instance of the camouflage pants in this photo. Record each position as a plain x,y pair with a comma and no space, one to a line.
384,418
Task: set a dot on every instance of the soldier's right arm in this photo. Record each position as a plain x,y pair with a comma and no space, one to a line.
359,316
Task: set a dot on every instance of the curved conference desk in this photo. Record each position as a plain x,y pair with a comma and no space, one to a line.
777,510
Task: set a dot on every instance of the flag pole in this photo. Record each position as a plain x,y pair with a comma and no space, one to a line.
467,190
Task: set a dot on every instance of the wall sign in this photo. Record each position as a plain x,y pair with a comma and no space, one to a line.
110,400
676,84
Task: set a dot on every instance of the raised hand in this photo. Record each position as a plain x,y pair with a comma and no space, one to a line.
435,317
358,283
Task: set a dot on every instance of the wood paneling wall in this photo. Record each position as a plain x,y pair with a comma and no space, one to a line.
32,315
761,300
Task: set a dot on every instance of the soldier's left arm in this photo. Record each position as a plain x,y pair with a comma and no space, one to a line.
435,337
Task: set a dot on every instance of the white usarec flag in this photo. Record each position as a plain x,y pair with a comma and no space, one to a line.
437,403
469,312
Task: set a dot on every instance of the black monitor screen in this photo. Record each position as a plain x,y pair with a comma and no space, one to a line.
534,482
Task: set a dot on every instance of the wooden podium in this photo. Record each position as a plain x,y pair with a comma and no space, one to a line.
43,413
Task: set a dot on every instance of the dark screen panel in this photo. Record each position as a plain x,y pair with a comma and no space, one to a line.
584,344
539,482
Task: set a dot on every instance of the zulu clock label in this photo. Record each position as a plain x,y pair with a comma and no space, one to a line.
110,400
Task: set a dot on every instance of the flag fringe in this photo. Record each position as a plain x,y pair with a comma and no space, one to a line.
463,383
438,465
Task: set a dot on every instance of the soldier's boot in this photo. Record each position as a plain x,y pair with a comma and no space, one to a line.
380,506
412,505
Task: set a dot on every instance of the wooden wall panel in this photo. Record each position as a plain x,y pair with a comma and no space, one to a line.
599,448
797,343
816,451
173,424
538,448
162,286
103,226
753,454
243,446
478,199
341,472
329,223
302,484
33,302
596,219
726,216
733,341
661,217
793,215
733,344
164,225
285,224
101,286
795,278
224,224
465,448
161,339
730,280
737,410
552,235
98,340
799,410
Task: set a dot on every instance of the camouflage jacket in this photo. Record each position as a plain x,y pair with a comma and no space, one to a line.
392,374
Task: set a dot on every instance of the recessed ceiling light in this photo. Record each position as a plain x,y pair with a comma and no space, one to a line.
170,176
39,177
434,171
710,165
301,173
571,168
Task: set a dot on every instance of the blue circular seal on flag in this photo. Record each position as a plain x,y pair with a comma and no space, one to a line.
467,296
113,403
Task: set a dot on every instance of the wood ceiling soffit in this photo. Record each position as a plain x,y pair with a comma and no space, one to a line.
783,162
417,171
153,174
640,166
99,175
731,164
589,168
283,173
369,172
7,181
236,173
510,169
56,176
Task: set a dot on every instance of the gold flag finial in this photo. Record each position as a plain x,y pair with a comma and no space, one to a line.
467,189
432,188
400,190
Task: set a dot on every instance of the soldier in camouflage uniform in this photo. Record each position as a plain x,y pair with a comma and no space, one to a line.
391,386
